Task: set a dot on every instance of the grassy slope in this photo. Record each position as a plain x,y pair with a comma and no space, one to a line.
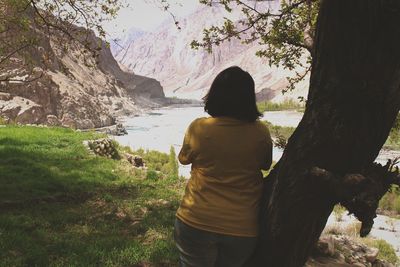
62,206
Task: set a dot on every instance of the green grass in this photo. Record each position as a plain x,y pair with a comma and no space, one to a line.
62,206
288,104
386,251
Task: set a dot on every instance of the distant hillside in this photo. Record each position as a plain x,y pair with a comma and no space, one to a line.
166,56
116,45
64,90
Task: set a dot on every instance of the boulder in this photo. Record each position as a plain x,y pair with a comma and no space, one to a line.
52,120
325,246
135,160
372,255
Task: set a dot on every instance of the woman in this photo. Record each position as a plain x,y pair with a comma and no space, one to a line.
216,222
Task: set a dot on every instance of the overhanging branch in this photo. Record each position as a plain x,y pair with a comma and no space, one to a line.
360,192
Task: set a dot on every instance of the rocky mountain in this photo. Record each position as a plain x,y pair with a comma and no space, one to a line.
118,44
166,55
69,87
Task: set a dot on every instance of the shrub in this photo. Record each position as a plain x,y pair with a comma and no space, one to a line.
396,204
391,200
287,104
173,166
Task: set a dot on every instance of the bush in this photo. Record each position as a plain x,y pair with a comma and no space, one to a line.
391,200
396,205
288,104
173,166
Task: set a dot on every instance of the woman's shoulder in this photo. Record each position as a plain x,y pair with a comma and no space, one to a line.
197,122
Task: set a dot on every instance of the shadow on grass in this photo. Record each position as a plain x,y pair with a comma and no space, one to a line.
105,230
31,169
75,209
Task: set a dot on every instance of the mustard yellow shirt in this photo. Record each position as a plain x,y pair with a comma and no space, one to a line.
225,187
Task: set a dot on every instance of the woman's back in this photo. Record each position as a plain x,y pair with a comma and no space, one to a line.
227,156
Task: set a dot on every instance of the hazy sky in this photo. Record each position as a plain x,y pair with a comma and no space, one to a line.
147,15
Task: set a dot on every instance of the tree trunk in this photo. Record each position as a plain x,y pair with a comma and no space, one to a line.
353,100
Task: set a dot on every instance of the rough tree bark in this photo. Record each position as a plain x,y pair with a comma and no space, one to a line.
353,100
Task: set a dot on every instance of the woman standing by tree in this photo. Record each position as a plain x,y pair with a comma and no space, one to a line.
217,221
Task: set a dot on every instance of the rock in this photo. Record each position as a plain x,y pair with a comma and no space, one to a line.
118,130
326,246
52,120
33,114
341,257
85,124
37,70
5,96
68,121
135,160
372,255
379,263
340,250
64,84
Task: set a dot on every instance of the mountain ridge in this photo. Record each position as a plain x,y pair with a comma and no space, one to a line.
71,88
183,72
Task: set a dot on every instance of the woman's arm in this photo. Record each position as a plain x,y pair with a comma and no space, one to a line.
185,156
266,164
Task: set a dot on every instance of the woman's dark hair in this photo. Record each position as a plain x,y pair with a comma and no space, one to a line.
232,94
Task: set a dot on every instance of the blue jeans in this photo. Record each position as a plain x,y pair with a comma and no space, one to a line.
198,248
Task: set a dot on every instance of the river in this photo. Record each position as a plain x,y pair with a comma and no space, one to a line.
160,129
